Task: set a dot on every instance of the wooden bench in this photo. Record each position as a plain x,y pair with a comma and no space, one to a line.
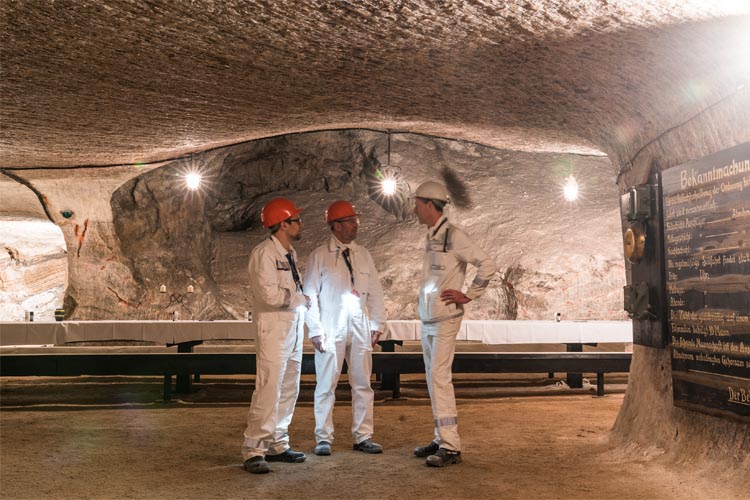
388,364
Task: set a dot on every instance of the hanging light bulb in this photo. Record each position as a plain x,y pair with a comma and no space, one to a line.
192,171
389,174
570,189
193,180
388,186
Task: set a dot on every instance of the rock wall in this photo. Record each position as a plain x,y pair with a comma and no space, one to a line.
100,285
133,229
169,236
648,419
33,269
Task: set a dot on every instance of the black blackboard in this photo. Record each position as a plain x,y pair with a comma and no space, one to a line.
707,260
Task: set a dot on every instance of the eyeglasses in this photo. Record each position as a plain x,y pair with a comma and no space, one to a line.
297,220
354,220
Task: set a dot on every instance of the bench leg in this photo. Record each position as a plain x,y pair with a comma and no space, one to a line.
396,386
600,384
184,383
391,380
575,380
167,387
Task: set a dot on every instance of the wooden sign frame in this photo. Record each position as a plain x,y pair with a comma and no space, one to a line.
706,210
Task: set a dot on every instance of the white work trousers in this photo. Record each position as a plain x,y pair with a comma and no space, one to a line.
355,346
438,348
278,367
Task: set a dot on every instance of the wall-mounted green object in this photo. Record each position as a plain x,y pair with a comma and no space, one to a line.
66,213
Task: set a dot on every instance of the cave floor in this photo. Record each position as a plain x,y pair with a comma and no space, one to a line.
95,437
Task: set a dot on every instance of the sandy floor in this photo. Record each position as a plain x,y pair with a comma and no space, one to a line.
87,439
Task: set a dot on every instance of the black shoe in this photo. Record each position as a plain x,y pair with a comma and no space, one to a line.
426,451
257,465
289,456
368,447
323,449
443,458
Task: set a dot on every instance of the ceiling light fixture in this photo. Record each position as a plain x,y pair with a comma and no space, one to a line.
570,189
193,180
389,175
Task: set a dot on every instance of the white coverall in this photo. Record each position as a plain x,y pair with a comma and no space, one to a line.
278,305
344,322
447,251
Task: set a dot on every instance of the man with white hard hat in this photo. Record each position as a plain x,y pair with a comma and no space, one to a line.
345,319
448,249
279,306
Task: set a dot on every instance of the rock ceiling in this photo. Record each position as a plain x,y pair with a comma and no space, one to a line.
127,81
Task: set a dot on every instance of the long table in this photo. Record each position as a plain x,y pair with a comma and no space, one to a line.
574,334
187,334
385,363
165,332
176,332
525,332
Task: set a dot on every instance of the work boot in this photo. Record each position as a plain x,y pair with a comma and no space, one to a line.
257,465
323,449
426,451
289,456
368,446
443,458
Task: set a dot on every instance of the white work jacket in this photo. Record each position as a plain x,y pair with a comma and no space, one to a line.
328,283
275,294
447,251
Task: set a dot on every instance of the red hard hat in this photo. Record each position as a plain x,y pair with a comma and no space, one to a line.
278,210
340,210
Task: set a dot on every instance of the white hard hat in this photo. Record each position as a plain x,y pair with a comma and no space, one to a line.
432,190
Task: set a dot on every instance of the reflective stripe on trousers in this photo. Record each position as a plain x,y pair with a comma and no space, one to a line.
438,348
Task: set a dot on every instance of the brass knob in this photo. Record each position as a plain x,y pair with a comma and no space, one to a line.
635,242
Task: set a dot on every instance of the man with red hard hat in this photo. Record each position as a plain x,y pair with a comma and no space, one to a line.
448,250
346,316
280,306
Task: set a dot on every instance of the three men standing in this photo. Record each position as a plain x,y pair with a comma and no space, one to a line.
448,249
345,316
279,311
345,319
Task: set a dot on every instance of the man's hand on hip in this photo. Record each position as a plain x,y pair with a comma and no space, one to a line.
451,296
317,342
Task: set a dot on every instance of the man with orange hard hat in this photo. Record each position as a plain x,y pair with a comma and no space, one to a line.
279,305
346,316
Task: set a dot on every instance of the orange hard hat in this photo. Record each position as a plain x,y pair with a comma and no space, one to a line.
340,210
278,210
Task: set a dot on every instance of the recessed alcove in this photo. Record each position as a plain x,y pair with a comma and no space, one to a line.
33,268
555,255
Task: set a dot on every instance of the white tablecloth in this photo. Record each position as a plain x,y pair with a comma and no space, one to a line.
167,332
524,332
170,332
